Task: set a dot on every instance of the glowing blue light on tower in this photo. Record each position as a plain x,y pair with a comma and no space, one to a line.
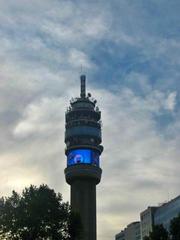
83,156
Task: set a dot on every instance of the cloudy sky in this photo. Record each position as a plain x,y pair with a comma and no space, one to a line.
130,51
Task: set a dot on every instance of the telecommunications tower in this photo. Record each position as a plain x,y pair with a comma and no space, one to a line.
83,150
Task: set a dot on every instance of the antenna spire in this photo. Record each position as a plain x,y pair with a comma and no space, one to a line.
83,86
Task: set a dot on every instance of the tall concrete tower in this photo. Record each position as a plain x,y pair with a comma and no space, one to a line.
83,149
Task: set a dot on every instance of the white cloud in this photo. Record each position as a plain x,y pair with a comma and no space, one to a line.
79,59
21,176
42,117
171,101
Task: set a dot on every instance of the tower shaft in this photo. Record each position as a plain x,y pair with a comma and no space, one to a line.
83,200
83,180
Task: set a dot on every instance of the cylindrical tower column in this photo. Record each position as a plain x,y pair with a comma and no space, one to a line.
83,180
83,149
83,199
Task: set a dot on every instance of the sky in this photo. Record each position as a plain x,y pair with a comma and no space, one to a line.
130,53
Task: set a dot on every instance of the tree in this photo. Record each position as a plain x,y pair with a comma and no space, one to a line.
37,214
175,228
158,233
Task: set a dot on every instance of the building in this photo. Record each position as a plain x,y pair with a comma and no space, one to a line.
131,232
166,212
159,215
120,236
147,221
83,150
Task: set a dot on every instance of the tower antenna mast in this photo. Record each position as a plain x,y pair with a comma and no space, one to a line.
83,86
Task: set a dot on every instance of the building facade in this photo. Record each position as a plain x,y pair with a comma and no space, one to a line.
165,213
120,236
83,150
147,221
131,232
159,215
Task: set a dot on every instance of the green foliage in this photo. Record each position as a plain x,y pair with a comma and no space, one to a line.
175,228
37,214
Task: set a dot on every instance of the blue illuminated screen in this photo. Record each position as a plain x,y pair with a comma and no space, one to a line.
80,156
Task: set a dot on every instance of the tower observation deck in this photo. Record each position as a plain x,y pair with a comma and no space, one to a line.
83,149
